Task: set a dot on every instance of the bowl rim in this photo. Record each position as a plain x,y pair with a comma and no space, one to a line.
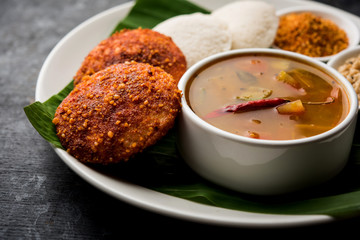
344,55
354,37
345,123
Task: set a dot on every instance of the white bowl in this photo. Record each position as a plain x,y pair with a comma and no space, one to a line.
257,166
334,15
340,58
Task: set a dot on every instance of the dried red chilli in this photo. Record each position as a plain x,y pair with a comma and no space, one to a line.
247,106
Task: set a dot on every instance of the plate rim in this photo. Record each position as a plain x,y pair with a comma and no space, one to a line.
208,214
225,217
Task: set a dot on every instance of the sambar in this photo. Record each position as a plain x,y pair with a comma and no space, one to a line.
267,97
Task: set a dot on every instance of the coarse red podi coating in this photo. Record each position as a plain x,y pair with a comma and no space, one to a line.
311,35
117,112
140,45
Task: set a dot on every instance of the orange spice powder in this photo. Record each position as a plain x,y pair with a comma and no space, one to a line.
310,35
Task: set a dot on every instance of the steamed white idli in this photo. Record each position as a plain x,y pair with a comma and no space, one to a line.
252,23
198,35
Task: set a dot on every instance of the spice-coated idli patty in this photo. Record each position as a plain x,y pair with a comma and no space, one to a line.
117,112
140,45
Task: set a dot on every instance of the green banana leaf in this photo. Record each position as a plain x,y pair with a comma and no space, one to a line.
148,13
161,168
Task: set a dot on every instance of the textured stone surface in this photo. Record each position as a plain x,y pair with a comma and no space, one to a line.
40,198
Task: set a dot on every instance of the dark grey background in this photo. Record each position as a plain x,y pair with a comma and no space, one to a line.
40,197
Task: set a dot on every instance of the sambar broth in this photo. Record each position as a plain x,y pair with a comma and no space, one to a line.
253,79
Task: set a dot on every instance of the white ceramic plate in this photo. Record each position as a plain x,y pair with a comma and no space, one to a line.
59,68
